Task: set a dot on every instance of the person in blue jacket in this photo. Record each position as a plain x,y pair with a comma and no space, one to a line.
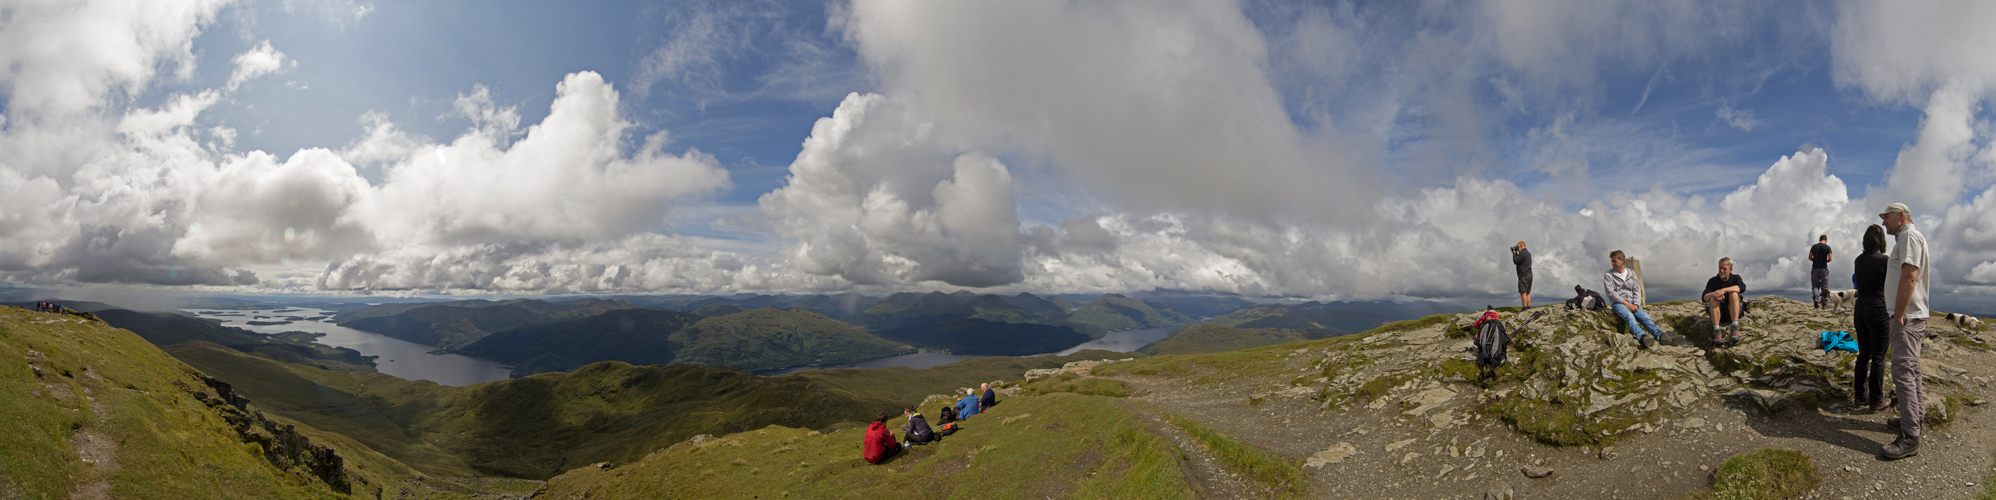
967,406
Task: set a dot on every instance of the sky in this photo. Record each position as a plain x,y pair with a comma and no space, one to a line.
1325,150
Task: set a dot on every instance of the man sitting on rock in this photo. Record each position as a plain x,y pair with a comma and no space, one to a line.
1722,301
1625,296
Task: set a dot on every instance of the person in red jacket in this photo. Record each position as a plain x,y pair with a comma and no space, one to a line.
879,443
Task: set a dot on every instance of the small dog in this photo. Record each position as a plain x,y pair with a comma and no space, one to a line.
1964,321
1842,298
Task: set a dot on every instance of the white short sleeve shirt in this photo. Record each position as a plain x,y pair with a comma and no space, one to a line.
1909,247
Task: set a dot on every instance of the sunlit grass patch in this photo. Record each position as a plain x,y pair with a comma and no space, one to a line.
1765,474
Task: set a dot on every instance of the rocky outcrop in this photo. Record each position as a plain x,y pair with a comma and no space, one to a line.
1076,367
282,445
1577,377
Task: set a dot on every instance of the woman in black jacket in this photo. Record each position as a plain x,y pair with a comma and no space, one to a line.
917,431
1870,317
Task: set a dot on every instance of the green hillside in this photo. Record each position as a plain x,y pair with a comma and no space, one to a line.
635,336
748,340
98,412
777,338
1116,313
903,310
456,324
1206,338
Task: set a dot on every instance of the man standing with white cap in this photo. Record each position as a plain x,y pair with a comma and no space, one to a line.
1906,280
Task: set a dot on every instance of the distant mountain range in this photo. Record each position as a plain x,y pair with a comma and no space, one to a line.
1341,317
748,340
1207,338
555,336
456,324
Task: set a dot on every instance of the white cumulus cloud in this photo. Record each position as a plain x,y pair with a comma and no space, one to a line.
876,198
258,61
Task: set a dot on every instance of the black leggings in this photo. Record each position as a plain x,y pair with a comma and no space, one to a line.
1870,317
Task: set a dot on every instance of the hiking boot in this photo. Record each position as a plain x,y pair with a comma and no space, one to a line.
1734,337
1903,447
1649,342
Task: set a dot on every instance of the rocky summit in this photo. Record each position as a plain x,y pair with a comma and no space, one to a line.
1581,410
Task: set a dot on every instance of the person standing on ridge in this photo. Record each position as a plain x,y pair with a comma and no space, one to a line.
1869,317
1906,279
1523,259
1819,271
1626,297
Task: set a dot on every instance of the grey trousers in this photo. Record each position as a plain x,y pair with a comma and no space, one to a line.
1819,286
1905,340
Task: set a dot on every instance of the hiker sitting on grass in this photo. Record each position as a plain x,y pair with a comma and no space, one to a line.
967,406
879,443
989,400
1722,301
917,431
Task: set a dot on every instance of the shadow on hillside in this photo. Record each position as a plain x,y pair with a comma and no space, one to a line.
1808,423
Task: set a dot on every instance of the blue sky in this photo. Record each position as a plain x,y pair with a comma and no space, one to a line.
1313,149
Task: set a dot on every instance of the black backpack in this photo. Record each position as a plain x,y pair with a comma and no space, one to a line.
947,415
1492,342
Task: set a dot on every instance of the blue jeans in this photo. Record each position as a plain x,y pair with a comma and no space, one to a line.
1639,322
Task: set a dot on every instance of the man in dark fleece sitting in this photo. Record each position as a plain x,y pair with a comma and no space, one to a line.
990,398
917,431
1723,295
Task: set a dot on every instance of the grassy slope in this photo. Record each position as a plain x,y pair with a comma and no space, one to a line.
1211,337
1054,446
164,443
542,425
373,409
